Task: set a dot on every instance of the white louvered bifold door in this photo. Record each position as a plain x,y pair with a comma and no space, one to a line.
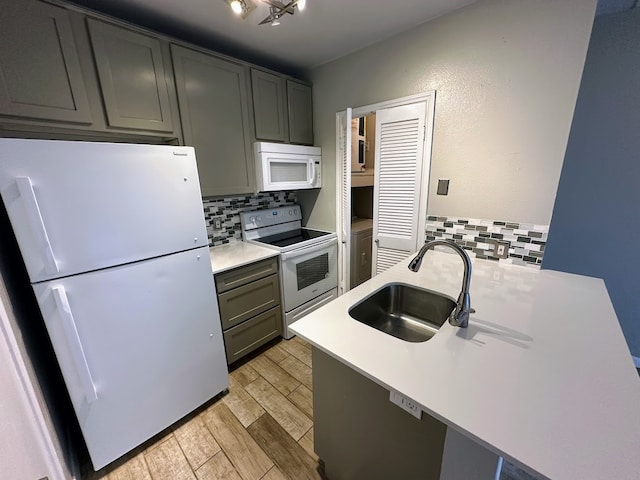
343,133
400,132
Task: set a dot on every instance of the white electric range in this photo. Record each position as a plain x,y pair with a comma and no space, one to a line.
308,259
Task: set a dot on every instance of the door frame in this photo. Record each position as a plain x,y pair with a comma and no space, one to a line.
429,98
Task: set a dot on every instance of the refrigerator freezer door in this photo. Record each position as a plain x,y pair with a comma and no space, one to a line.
139,346
80,206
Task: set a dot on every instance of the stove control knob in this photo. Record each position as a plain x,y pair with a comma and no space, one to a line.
259,218
252,219
290,212
295,210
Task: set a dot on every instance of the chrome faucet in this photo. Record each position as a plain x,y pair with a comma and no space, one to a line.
460,315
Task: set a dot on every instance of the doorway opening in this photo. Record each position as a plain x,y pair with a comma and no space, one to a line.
385,154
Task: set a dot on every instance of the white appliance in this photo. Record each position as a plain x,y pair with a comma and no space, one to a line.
308,259
114,241
287,167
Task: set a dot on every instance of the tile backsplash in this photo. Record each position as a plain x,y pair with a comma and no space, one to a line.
227,210
479,236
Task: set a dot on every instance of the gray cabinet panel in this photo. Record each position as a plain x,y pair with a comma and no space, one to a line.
40,76
132,78
268,106
361,244
214,109
359,433
243,275
244,302
243,339
300,110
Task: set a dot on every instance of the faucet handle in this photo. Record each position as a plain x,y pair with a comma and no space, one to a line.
460,315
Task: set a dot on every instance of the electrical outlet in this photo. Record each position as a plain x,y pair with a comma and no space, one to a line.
501,249
406,404
217,223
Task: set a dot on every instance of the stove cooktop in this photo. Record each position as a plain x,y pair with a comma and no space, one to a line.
292,237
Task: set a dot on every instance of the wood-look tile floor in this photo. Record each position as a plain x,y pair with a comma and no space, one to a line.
261,429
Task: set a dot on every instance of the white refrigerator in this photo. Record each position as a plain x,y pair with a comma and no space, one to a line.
115,245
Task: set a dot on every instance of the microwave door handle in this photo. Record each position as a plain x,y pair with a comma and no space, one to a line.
303,251
312,177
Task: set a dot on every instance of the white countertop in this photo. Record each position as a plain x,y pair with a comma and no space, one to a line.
542,375
232,255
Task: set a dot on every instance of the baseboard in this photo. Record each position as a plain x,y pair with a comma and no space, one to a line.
636,360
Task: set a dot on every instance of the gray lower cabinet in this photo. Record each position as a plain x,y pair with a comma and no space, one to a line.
361,245
246,337
250,307
300,112
214,109
40,74
132,78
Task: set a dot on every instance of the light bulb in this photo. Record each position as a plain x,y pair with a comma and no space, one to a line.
236,6
301,4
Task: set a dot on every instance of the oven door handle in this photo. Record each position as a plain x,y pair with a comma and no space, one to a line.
303,251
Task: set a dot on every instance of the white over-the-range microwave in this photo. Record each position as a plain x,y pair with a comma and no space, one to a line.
287,167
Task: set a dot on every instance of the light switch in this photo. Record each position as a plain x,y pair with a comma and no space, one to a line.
443,187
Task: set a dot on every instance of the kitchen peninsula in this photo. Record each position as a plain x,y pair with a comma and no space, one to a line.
542,376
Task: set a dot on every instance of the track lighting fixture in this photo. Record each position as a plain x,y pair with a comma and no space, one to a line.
277,9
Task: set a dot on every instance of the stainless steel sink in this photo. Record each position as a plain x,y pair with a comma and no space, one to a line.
408,313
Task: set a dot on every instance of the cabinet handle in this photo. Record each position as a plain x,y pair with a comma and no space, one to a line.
75,346
363,258
34,218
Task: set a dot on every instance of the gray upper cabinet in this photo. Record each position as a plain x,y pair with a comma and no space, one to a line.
269,98
40,75
132,78
214,109
300,110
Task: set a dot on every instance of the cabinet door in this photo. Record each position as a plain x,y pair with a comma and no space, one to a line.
361,243
268,106
300,111
132,78
212,97
40,76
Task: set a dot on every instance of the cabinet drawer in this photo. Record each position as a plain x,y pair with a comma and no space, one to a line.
245,338
244,302
243,275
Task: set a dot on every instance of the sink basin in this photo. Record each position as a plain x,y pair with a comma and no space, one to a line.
408,313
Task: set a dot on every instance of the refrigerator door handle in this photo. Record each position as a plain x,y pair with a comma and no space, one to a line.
34,217
75,346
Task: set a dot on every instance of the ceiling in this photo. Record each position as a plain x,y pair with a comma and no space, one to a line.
324,31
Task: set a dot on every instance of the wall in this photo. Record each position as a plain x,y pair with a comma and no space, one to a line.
506,75
595,228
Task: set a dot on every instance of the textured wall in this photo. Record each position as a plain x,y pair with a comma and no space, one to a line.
506,75
595,229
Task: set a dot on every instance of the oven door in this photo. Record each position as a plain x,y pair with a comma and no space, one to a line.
309,272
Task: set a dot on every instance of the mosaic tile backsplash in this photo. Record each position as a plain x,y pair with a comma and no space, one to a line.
226,211
526,241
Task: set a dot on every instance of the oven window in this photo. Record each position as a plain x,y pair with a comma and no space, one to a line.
312,271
